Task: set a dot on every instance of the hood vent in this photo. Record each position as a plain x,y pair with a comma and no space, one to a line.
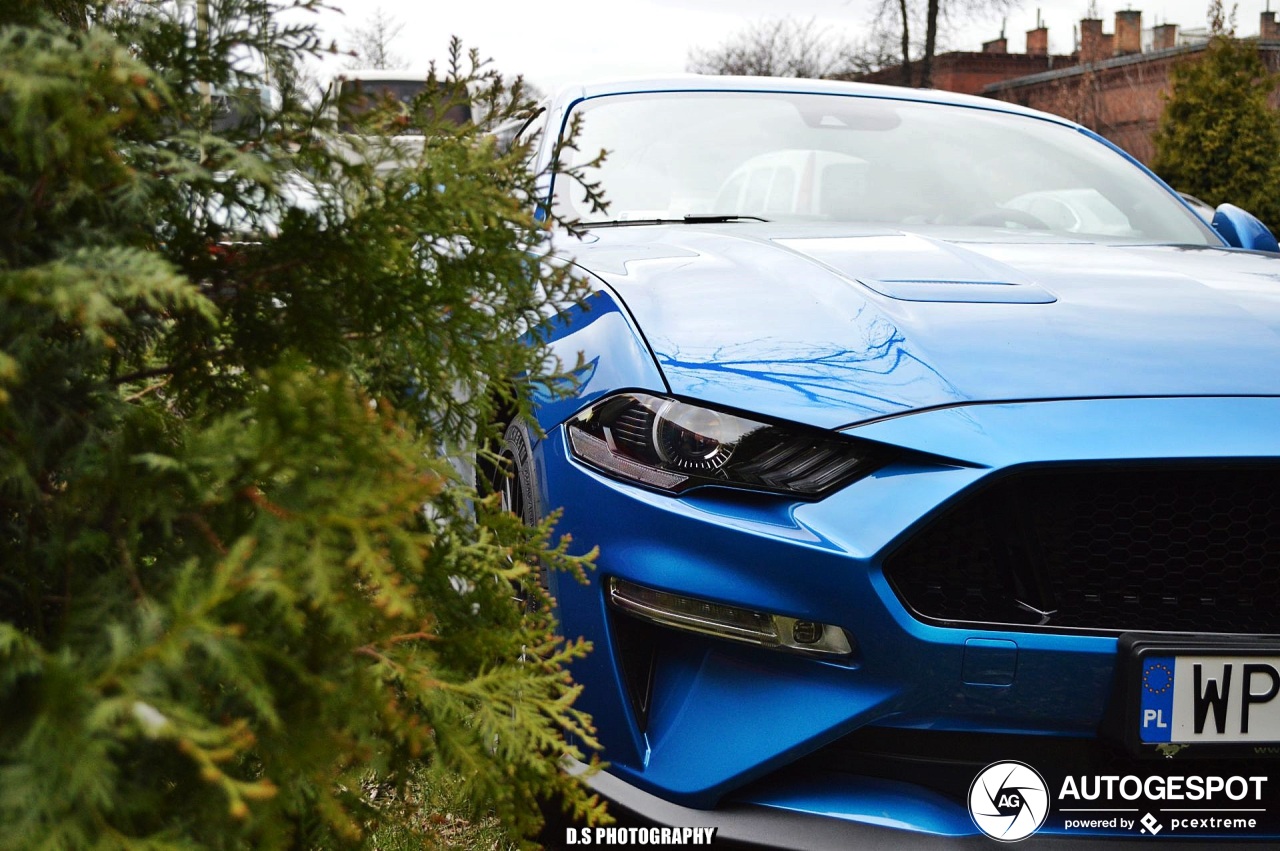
977,292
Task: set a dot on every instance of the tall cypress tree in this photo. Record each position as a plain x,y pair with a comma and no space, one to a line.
1218,136
240,579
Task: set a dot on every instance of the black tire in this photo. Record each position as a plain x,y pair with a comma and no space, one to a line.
516,479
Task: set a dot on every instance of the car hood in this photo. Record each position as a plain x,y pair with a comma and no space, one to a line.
836,327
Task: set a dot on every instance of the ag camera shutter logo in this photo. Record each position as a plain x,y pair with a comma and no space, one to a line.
1008,801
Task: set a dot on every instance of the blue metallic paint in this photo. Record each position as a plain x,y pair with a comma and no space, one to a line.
599,335
822,561
1243,230
795,564
1084,353
1065,431
1125,320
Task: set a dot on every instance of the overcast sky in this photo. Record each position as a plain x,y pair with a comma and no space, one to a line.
556,42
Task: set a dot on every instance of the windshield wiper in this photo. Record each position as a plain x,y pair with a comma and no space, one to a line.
711,218
691,219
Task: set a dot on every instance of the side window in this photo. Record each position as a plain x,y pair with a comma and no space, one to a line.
521,131
505,133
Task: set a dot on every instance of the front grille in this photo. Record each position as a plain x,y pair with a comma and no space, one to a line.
1187,550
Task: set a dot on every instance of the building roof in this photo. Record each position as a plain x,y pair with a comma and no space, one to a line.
1105,64
1091,67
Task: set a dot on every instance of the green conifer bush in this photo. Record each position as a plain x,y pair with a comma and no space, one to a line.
240,578
1218,135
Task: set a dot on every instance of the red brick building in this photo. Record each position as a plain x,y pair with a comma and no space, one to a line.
1112,83
971,73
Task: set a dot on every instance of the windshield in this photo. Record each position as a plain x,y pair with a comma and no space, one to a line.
814,157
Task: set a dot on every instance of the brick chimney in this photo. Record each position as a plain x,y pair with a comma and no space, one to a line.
1038,41
1165,37
1094,44
996,45
1269,30
1128,37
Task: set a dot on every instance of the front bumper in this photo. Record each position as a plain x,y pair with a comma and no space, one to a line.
719,723
807,828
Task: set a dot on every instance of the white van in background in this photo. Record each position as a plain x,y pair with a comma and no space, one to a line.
354,93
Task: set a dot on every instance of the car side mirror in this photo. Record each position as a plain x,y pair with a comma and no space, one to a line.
1241,229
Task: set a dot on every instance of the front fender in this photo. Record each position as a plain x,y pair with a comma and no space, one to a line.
600,351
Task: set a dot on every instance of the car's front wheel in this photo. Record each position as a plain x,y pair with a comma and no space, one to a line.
514,476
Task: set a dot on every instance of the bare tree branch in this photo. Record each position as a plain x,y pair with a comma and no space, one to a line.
785,47
372,42
937,16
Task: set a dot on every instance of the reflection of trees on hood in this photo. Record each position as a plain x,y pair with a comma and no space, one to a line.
881,376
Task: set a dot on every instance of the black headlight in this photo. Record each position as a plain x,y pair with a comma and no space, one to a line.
673,446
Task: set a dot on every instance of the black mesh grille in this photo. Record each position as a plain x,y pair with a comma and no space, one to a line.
1194,550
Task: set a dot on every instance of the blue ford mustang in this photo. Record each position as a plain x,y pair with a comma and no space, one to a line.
918,432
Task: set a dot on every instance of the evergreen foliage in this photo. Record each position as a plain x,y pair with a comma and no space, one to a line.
1218,135
241,579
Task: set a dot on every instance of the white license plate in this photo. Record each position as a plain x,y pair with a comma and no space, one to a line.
1209,698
